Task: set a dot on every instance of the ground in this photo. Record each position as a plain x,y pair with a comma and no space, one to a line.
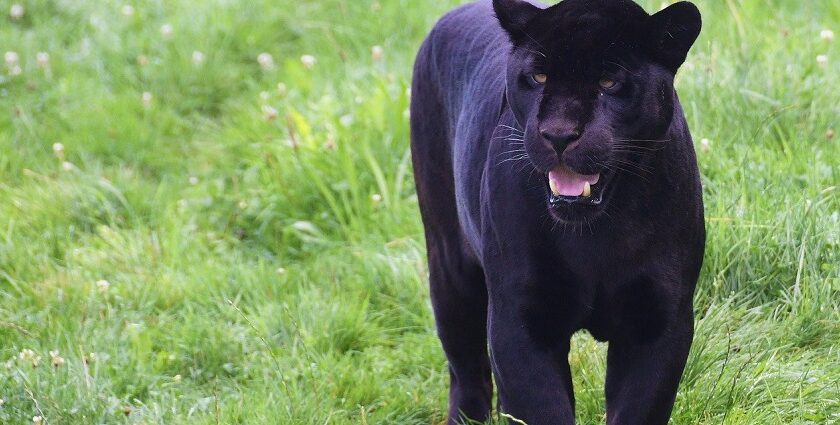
201,224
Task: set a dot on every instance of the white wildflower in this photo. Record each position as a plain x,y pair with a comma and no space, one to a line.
147,99
376,52
28,355
308,61
127,10
265,60
12,58
705,145
827,35
43,59
193,180
103,285
56,360
822,60
197,57
269,113
166,30
17,11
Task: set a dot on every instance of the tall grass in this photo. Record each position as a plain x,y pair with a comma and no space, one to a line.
260,246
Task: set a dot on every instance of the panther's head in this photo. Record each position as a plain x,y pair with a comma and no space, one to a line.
591,83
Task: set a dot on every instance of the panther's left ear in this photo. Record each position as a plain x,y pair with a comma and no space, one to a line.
673,32
514,16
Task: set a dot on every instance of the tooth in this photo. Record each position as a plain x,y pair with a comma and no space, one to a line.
554,189
587,190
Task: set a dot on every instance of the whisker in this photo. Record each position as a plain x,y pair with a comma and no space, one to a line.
514,159
644,148
511,128
622,67
631,165
535,52
643,140
515,151
616,167
508,135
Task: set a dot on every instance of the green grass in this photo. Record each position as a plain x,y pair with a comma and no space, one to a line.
272,271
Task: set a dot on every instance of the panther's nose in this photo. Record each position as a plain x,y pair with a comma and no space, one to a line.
560,138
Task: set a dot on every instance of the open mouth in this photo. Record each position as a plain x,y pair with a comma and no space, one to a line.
568,187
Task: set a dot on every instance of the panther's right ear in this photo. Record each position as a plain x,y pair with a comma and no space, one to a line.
514,16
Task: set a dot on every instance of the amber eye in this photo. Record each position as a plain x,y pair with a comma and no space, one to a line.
540,78
607,83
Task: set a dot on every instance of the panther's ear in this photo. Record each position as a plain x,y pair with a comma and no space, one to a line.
673,32
514,16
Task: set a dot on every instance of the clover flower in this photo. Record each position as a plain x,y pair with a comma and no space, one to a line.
43,59
308,61
376,53
17,11
37,420
197,57
27,355
127,10
147,99
103,285
827,36
11,58
705,145
56,360
269,113
266,61
58,149
166,30
822,60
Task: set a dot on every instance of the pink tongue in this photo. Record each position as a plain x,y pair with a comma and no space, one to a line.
568,182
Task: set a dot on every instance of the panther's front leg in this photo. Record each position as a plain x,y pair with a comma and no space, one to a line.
644,369
533,379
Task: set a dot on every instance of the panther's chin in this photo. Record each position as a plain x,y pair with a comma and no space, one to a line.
585,207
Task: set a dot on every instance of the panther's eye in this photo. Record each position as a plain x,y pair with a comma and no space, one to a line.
607,83
540,78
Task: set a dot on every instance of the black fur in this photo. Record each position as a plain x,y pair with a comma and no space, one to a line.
510,264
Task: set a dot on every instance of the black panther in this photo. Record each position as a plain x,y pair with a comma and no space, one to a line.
559,191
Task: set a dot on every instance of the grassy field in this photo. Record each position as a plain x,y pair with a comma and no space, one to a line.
195,232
